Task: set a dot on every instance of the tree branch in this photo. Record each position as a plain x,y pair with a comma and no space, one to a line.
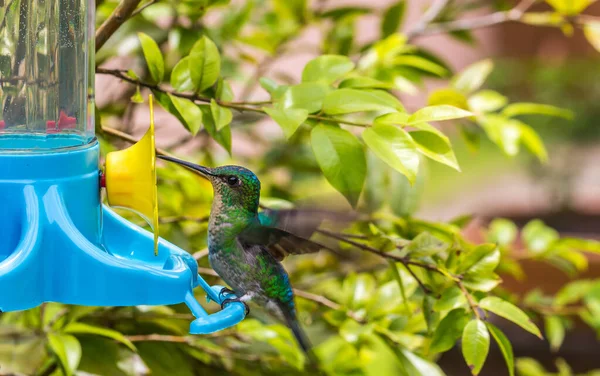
122,13
513,15
239,106
431,14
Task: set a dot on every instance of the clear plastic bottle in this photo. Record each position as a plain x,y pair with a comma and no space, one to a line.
46,74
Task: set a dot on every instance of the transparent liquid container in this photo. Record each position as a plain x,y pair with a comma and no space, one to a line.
46,74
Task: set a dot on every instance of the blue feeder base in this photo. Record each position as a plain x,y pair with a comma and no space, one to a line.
58,243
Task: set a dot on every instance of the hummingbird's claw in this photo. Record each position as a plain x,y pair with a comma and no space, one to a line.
232,300
225,291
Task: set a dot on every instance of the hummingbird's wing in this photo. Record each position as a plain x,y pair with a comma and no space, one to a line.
286,232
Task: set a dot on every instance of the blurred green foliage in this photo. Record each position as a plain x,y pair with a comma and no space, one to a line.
405,290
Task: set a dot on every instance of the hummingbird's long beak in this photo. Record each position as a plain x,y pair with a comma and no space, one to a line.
204,171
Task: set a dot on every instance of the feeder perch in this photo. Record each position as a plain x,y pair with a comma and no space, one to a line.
58,242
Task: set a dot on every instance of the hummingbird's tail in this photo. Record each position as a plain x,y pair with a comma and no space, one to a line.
303,341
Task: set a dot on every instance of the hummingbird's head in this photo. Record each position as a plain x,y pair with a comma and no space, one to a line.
233,186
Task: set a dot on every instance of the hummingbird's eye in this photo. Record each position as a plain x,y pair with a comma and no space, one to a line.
233,180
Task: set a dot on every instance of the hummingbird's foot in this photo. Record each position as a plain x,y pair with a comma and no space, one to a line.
225,291
232,300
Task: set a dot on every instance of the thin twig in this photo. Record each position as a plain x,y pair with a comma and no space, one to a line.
327,303
129,138
429,16
512,15
181,218
141,9
469,297
239,106
122,13
200,254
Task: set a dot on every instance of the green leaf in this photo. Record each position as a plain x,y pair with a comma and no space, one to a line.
189,112
395,147
555,331
570,7
276,91
510,312
487,101
538,237
222,137
482,260
327,69
505,347
448,96
516,109
137,97
426,244
448,331
308,96
591,31
204,64
502,232
364,83
153,56
289,119
392,18
414,365
478,283
533,142
505,133
437,113
81,328
435,147
471,78
221,115
341,158
67,349
181,78
572,292
530,367
345,101
451,298
421,63
475,345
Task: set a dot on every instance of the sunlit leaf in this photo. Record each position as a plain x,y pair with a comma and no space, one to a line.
472,77
435,147
538,237
181,78
570,7
67,349
308,96
395,147
327,69
426,244
475,345
341,158
516,109
502,232
345,101
289,119
510,312
437,113
448,96
505,347
572,292
592,33
414,365
223,137
530,367
421,63
204,64
487,101
153,56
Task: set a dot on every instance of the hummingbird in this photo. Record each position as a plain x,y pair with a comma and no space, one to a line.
246,247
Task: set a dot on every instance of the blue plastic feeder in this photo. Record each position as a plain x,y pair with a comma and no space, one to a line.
58,242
